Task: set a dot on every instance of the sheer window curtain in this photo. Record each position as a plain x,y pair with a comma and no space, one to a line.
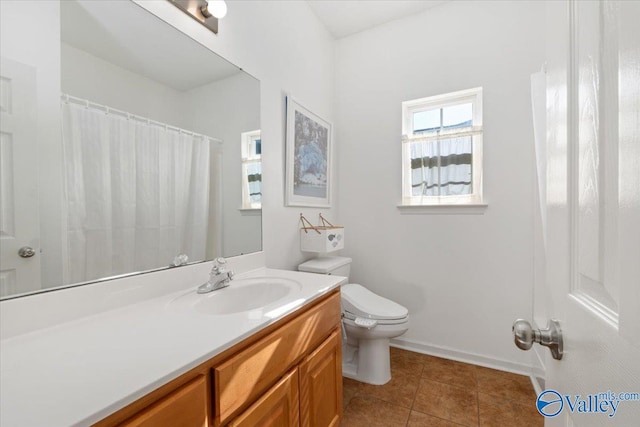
254,181
442,167
136,196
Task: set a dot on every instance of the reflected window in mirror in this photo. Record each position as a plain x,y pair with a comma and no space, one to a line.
251,170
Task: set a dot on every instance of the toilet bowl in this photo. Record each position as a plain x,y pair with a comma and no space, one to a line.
369,322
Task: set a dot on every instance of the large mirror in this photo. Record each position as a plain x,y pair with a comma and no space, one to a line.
126,147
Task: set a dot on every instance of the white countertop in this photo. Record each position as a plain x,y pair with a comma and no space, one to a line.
79,372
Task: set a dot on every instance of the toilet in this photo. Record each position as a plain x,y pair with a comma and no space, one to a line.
369,322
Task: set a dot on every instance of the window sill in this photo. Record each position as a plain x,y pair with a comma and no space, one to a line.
250,211
444,209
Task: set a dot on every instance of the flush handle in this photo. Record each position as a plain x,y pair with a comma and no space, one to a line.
524,336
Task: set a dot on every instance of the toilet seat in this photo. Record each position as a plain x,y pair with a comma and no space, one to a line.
350,316
358,301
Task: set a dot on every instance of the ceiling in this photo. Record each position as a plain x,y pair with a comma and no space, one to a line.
345,17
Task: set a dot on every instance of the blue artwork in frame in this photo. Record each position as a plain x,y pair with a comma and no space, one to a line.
308,154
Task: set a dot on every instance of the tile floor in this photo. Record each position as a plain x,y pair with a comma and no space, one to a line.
430,391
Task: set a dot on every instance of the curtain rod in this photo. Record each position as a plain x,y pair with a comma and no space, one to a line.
90,104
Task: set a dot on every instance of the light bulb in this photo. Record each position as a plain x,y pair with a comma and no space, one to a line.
218,8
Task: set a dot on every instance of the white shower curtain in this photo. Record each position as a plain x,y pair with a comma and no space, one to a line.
137,192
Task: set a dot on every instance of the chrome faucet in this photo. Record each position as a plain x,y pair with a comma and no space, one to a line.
219,277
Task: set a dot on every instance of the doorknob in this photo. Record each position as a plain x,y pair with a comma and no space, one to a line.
26,252
524,336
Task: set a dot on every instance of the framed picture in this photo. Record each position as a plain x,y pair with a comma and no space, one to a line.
308,157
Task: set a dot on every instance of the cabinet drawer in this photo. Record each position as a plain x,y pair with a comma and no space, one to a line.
245,376
185,407
278,407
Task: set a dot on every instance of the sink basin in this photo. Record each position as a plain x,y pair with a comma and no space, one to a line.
241,295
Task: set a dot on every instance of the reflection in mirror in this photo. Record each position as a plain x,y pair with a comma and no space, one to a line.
251,170
126,147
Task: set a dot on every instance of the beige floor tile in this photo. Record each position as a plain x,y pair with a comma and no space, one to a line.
365,411
349,389
406,366
440,393
498,412
400,390
410,356
417,419
447,402
450,372
506,385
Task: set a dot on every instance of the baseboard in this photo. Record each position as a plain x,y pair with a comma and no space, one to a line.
461,356
538,371
538,384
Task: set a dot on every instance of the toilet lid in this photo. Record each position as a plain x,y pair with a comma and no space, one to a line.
324,264
358,300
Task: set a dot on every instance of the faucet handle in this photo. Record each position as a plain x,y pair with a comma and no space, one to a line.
218,266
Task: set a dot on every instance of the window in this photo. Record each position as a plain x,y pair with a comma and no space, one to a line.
442,149
251,170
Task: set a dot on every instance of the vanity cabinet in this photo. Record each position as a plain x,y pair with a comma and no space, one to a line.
289,374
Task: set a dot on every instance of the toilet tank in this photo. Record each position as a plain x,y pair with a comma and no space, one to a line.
335,265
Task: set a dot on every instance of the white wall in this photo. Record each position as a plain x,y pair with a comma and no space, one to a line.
283,44
464,278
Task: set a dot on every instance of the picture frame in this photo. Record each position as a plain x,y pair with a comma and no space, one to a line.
308,157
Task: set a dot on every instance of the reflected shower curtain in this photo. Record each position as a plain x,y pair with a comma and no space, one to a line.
137,193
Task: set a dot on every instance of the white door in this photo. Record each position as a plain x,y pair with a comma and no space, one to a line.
593,211
19,226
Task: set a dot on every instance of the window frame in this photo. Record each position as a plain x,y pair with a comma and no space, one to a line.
409,108
246,138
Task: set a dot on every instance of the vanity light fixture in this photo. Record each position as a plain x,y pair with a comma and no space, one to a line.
217,8
207,13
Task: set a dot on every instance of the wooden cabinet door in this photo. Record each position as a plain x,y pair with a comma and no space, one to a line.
321,385
278,407
185,407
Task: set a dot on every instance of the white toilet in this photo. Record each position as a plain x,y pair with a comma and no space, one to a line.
369,320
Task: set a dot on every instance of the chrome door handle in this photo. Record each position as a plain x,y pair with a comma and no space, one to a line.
26,252
524,336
